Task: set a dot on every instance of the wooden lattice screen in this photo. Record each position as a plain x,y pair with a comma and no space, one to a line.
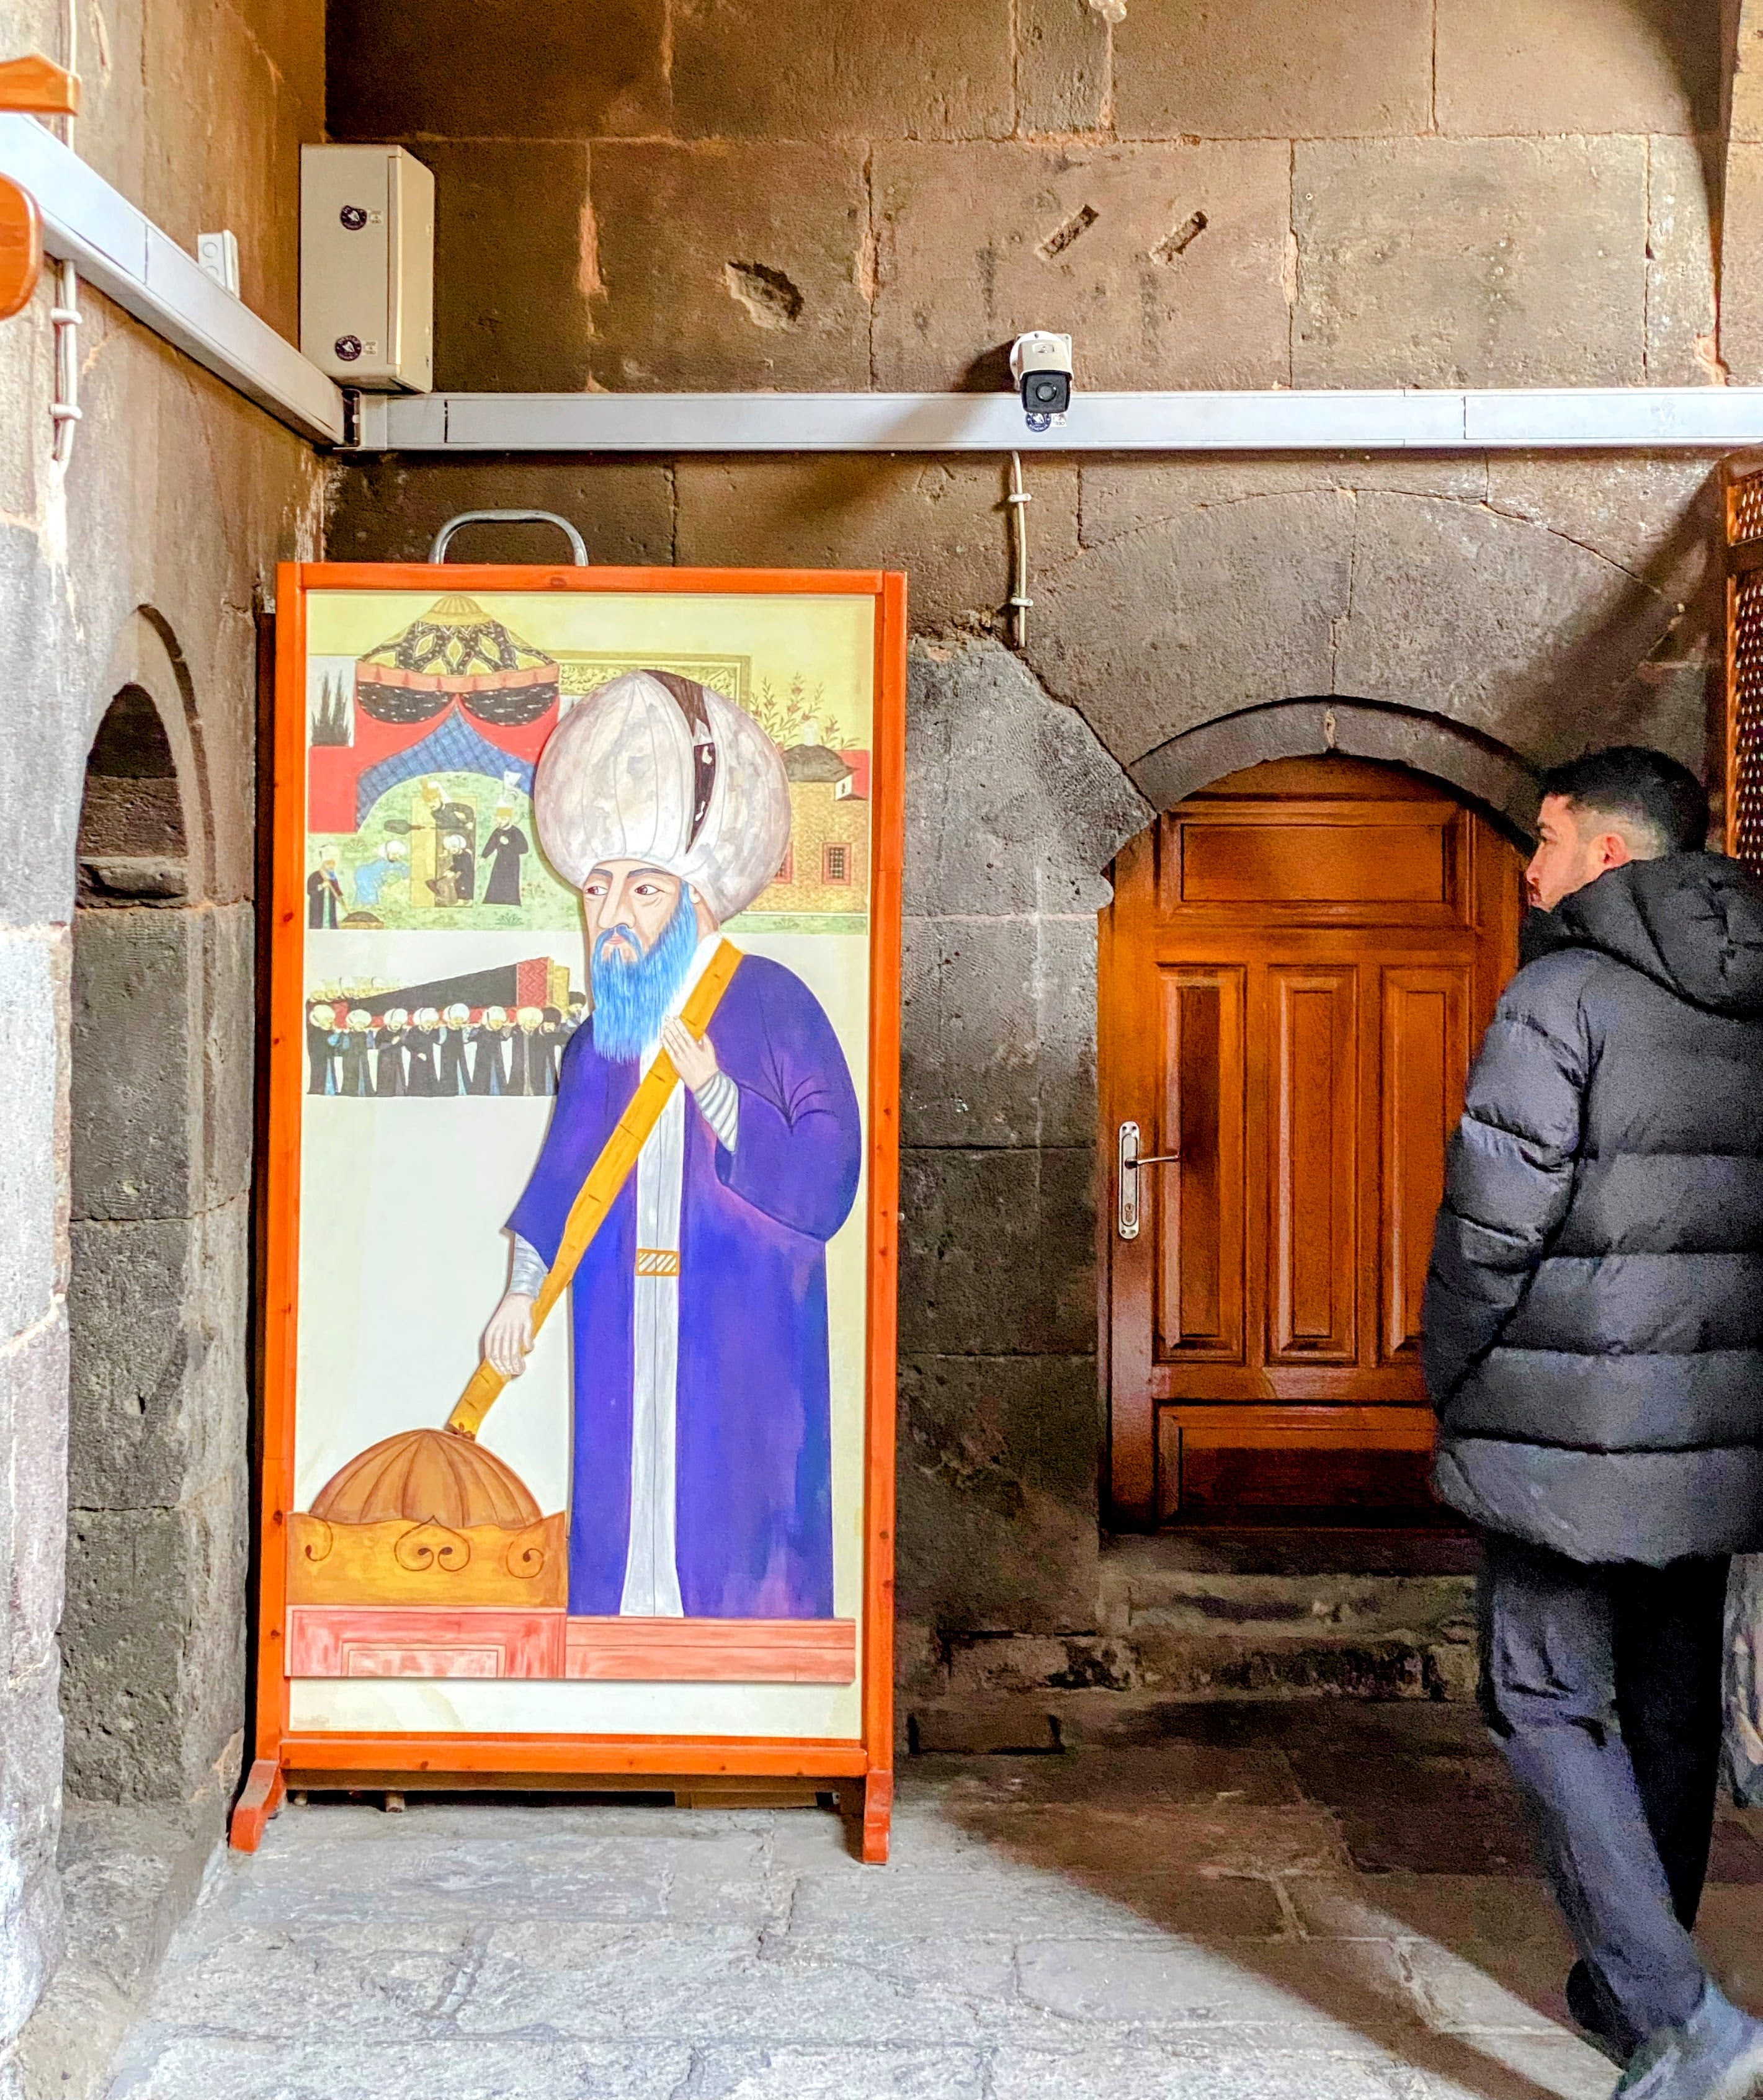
1744,666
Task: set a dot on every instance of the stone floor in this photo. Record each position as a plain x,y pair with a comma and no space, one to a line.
1328,1901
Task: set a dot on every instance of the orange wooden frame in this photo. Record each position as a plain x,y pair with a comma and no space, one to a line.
465,1759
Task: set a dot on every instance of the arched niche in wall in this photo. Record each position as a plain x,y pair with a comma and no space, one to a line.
152,1633
147,658
134,840
1474,765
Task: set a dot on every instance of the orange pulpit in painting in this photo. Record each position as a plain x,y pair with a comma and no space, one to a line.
427,1517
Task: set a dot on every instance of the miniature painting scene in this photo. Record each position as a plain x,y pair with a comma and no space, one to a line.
580,1398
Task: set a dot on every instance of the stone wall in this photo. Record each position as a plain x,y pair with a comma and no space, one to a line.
794,193
708,194
144,562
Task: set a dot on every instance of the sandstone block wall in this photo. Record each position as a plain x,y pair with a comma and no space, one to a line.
720,193
144,562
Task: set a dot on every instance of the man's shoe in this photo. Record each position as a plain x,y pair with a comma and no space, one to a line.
1717,2054
1598,2017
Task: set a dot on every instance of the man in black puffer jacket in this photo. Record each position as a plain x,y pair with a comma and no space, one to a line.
1594,1347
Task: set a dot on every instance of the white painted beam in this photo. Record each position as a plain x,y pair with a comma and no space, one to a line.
121,252
1697,418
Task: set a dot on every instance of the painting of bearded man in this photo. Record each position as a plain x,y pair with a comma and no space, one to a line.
701,1463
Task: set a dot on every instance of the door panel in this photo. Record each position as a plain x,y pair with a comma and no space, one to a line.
1425,1055
1313,1174
1295,970
1315,863
1198,1200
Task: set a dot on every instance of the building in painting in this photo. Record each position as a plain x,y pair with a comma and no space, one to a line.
826,868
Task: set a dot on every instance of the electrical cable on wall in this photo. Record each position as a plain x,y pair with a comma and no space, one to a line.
65,315
1018,500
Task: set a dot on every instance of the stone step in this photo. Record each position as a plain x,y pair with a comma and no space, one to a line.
1180,1617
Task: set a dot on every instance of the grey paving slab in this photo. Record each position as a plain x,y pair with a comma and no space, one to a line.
1159,1774
1345,1996
182,2067
567,1876
837,2074
1012,1902
1514,2067
379,1982
1163,2073
720,1986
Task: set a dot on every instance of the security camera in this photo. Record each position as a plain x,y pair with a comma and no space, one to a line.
1041,365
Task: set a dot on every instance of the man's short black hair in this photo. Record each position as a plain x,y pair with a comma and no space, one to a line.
1641,788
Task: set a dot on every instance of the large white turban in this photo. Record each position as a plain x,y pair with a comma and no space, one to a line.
657,768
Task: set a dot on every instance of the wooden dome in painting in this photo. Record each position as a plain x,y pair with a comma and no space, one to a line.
426,1476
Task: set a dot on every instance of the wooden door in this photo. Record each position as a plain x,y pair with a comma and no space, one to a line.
1296,969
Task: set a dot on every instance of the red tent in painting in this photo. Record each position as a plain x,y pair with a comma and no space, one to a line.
455,692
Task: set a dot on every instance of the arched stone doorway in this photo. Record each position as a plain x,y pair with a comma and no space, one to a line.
152,1635
1298,963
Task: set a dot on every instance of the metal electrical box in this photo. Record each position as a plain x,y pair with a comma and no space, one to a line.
367,267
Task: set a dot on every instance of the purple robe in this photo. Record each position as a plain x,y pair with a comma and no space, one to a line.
754,1499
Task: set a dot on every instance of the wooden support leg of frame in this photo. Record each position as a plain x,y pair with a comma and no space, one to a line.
263,1790
877,1817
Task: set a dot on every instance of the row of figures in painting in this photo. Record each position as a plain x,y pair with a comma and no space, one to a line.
455,1050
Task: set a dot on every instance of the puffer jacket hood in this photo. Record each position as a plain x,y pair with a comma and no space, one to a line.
1592,1330
1692,922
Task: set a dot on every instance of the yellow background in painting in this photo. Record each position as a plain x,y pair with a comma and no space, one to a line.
826,642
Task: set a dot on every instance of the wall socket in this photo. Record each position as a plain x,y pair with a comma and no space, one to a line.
218,255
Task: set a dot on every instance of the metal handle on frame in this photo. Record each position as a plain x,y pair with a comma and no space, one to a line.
578,546
1126,1214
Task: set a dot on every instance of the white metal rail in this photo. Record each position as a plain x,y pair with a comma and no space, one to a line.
1696,418
120,252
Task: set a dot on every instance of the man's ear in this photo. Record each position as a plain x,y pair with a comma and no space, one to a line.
1611,849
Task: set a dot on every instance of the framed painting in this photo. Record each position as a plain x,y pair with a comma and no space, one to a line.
578,1349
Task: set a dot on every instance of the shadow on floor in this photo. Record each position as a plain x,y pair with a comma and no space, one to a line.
1369,1860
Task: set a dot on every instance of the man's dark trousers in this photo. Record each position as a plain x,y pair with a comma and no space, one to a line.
1603,1685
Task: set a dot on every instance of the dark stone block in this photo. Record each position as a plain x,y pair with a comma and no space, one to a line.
137,1032
390,509
791,69
1012,805
158,1401
510,270
729,266
999,1032
151,1696
998,1485
997,1253
494,69
229,1046
940,519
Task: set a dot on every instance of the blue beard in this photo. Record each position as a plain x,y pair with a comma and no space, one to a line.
631,998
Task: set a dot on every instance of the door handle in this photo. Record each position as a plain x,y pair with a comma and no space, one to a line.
1126,1213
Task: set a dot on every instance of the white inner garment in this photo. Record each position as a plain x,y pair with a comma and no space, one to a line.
652,1571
